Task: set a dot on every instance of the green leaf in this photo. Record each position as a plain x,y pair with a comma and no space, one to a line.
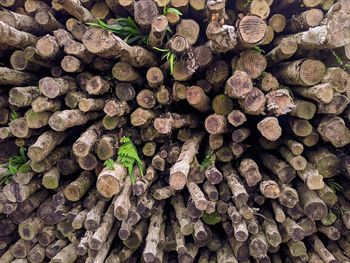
12,169
258,49
174,10
161,49
25,168
211,219
13,116
329,219
109,164
128,157
209,160
247,3
125,28
22,152
171,62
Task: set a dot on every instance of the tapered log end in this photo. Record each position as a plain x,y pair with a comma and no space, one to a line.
81,149
215,124
315,182
238,85
252,29
177,180
270,129
312,71
95,244
72,193
108,186
272,191
162,125
148,257
316,210
97,41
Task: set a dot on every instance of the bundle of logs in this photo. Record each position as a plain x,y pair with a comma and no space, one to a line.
243,134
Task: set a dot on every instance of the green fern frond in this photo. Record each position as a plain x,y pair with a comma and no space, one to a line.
109,164
13,115
14,165
128,157
209,160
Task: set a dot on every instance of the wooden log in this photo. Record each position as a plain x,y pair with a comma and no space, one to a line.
269,128
29,228
76,9
321,93
15,77
109,182
333,130
67,254
180,170
93,217
197,98
122,202
152,239
298,72
251,29
15,38
18,193
313,206
62,120
54,87
239,192
47,20
245,63
136,56
321,250
44,145
22,248
298,162
254,102
76,189
305,20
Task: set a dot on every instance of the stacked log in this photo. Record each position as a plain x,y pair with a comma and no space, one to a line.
243,136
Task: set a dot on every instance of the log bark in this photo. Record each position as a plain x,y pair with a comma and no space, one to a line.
104,44
16,38
179,171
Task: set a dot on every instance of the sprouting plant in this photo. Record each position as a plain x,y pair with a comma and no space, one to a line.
128,157
336,187
14,165
211,219
208,161
330,218
340,61
13,115
259,49
109,164
125,28
247,3
167,10
168,34
339,211
169,56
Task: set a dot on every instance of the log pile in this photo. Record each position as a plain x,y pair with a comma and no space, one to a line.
242,132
